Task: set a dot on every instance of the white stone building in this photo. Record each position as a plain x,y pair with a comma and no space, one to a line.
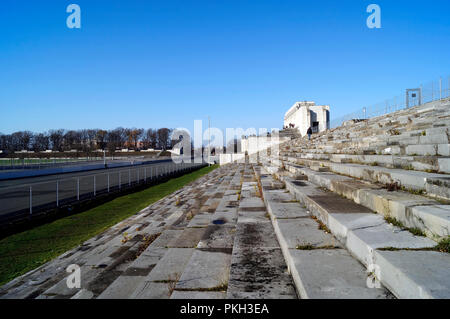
302,115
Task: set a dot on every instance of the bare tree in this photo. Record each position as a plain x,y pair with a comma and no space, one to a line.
21,140
115,139
56,139
41,142
163,136
101,139
72,140
150,139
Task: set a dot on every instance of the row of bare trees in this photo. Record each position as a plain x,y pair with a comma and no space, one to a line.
87,140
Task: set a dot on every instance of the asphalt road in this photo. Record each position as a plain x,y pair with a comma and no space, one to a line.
17,195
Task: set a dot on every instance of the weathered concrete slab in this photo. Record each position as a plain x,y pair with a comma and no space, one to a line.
251,203
302,232
122,287
410,274
83,294
255,235
152,290
283,210
171,265
437,217
148,259
331,274
165,238
341,224
255,215
259,273
207,269
198,295
200,220
218,236
363,242
277,195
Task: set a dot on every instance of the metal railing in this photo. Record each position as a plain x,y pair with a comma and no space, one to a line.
432,91
28,199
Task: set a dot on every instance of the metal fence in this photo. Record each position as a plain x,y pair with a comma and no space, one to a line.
32,198
432,91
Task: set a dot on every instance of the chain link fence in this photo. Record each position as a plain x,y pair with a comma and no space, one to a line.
431,91
26,200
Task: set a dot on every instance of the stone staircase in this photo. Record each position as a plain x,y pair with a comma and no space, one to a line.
320,219
380,187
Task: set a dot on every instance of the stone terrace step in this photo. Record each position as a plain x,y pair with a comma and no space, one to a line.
419,163
320,266
412,180
407,267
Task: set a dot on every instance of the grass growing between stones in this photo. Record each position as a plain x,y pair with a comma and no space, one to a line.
397,223
22,252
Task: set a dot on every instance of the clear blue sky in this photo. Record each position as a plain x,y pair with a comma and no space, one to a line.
166,63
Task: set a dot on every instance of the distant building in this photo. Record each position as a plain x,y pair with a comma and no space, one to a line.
303,115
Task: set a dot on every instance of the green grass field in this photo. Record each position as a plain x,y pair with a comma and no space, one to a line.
25,251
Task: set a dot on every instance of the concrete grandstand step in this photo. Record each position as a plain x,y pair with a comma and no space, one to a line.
368,237
412,210
320,266
409,179
257,267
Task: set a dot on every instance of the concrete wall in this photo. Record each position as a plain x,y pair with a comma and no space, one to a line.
230,158
254,144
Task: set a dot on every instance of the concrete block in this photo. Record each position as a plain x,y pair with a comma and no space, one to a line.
341,224
122,287
443,150
207,269
421,150
189,238
171,265
152,290
259,234
218,236
149,258
436,219
444,165
362,242
165,238
415,274
286,210
227,217
302,232
83,294
259,273
198,295
331,274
